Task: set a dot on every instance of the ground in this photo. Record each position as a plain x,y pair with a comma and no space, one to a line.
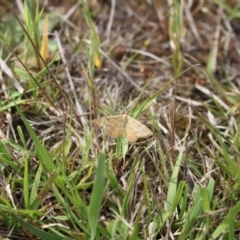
171,65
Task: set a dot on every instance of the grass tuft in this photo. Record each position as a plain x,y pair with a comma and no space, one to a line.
173,66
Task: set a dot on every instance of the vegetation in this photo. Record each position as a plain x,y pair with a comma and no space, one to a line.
173,66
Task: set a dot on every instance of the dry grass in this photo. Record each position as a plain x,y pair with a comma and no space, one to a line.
175,69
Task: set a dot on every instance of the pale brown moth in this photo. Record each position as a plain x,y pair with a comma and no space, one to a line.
123,125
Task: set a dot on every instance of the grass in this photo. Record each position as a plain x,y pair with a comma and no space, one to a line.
172,67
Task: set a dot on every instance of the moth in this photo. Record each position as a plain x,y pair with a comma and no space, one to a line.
123,125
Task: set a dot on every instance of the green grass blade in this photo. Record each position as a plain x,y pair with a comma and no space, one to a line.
172,189
26,183
38,232
191,216
44,155
36,183
184,202
97,194
226,224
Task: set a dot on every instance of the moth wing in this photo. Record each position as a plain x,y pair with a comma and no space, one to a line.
123,125
139,129
113,125
131,135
